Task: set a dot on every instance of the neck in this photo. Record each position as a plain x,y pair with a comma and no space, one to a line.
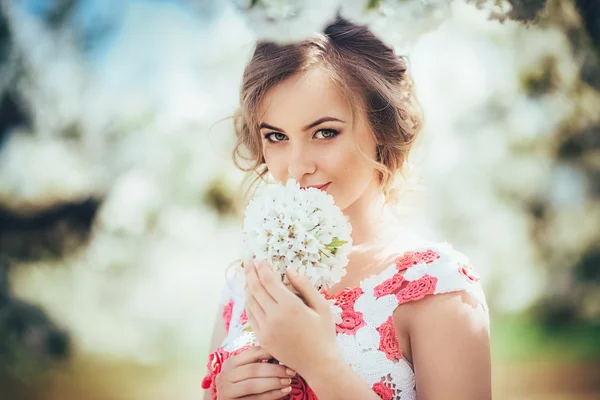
369,216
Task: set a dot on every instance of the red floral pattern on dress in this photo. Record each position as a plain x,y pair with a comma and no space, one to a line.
243,317
207,381
383,391
417,289
411,258
215,363
469,272
351,322
227,313
389,286
388,340
300,390
346,298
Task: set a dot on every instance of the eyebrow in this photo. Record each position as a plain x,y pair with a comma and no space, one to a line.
307,127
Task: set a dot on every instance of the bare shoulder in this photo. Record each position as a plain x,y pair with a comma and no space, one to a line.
460,310
456,319
450,345
443,315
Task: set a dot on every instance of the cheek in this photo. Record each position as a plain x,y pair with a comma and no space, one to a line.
275,162
351,172
347,162
357,173
340,161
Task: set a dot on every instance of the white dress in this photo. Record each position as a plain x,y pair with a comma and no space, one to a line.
366,334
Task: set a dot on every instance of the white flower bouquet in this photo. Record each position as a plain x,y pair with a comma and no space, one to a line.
295,229
298,229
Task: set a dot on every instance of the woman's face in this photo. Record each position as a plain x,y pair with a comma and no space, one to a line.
308,134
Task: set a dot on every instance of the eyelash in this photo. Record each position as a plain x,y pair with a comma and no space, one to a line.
333,131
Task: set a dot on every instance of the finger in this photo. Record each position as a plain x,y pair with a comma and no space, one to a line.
258,386
273,394
260,370
252,355
311,296
246,265
254,322
253,306
272,284
257,289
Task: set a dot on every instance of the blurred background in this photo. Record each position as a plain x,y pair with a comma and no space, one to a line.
118,193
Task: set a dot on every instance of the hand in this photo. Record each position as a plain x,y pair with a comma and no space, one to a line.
246,376
297,334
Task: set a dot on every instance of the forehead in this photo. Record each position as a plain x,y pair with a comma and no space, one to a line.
304,98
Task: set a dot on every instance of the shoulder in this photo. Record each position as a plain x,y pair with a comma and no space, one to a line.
439,287
450,346
424,271
445,315
438,269
423,281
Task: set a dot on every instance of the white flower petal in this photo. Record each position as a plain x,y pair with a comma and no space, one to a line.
291,228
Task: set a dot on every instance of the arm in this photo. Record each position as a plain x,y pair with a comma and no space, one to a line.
449,335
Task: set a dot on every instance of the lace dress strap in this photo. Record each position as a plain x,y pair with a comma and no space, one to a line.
430,270
418,273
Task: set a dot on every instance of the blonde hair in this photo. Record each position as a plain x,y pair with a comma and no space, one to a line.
367,71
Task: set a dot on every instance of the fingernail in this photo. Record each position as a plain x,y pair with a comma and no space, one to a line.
286,382
290,372
287,389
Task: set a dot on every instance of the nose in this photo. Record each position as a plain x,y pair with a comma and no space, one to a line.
300,162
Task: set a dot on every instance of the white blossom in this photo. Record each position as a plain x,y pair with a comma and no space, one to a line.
298,229
287,21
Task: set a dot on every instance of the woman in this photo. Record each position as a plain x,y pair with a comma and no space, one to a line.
337,112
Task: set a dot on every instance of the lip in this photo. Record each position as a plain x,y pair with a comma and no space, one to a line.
320,187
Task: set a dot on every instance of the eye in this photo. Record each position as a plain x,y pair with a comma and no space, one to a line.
275,137
326,134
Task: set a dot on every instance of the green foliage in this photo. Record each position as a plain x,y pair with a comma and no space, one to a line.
335,245
520,338
542,78
590,15
526,10
19,365
373,4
